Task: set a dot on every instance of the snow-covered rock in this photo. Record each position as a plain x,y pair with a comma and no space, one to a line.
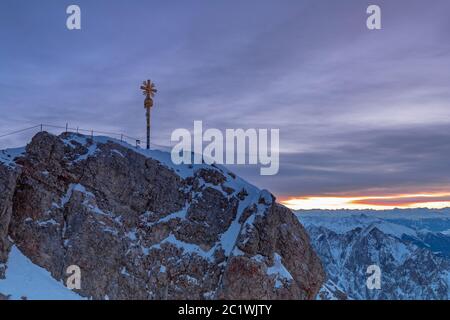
25,280
407,245
140,227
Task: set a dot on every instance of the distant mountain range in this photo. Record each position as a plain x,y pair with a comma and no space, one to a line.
411,247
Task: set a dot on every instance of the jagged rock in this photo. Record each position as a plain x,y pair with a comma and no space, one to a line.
348,244
331,291
141,228
275,239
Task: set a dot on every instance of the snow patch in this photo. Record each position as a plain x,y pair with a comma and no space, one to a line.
25,279
229,237
187,247
7,156
176,215
73,187
280,271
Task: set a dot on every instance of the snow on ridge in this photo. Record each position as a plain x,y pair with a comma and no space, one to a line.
395,229
161,155
25,279
7,156
229,237
407,214
164,157
186,247
398,222
227,240
280,271
73,187
347,223
175,215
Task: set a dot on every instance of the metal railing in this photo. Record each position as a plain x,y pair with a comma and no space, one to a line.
88,132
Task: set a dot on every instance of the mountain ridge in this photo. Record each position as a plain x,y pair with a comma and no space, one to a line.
413,264
140,227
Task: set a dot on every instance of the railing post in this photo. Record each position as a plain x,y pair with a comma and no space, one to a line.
123,137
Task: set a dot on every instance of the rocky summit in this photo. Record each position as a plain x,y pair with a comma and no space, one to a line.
139,227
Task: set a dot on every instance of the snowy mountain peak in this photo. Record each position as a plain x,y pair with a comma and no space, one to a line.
140,227
411,251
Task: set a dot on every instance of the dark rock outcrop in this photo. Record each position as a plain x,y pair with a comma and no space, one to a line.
141,228
8,176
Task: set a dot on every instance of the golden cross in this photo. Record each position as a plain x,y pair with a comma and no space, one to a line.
148,89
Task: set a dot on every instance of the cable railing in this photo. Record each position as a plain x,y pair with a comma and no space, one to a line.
18,131
88,132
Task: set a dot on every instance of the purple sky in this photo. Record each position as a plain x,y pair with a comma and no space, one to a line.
359,111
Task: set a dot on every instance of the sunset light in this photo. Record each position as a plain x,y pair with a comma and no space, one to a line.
431,201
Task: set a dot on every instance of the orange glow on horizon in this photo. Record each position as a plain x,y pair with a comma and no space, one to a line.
404,201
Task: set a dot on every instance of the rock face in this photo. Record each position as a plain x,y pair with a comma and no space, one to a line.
8,176
330,291
141,228
349,243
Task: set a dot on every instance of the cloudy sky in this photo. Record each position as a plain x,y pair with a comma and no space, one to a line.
364,116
